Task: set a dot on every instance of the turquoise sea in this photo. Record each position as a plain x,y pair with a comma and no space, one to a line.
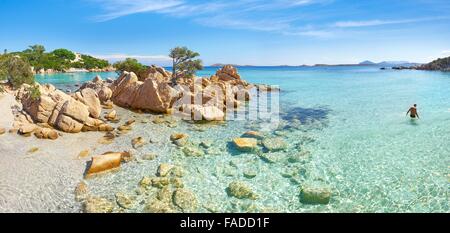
374,158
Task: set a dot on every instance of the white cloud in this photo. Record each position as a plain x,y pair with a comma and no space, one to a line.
377,22
119,8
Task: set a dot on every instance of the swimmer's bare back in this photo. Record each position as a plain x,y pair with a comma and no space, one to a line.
413,112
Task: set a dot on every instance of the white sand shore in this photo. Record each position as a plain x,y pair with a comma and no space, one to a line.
42,181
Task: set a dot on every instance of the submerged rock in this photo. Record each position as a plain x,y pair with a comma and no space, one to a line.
81,191
185,199
179,139
156,206
176,182
2,131
160,182
300,157
191,150
164,194
250,173
315,194
138,142
98,205
241,190
245,144
150,156
253,134
164,169
124,200
274,144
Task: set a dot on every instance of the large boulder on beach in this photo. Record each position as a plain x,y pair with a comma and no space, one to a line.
100,86
149,95
156,73
58,109
90,98
199,112
106,162
228,73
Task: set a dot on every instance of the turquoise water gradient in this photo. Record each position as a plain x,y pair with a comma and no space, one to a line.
374,157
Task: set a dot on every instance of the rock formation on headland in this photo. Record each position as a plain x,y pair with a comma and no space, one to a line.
441,64
195,98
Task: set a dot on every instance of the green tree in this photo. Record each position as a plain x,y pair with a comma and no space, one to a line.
34,55
16,70
64,54
184,63
131,65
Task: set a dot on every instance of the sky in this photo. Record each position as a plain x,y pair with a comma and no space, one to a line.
245,32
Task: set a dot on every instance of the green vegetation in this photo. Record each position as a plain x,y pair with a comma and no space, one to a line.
16,70
183,63
59,59
442,64
35,93
131,65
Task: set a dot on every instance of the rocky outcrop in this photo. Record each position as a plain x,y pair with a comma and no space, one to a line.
90,98
228,73
156,73
101,87
149,95
61,111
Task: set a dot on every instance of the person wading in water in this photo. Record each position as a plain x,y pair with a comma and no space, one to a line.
413,112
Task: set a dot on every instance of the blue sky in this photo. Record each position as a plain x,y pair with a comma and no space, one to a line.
254,32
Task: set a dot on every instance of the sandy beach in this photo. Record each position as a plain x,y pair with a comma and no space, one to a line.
40,181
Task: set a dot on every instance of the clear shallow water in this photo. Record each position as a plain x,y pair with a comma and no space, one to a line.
374,158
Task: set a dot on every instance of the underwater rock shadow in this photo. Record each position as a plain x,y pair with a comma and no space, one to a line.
306,114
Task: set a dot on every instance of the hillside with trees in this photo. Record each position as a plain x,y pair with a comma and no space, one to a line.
442,64
59,60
